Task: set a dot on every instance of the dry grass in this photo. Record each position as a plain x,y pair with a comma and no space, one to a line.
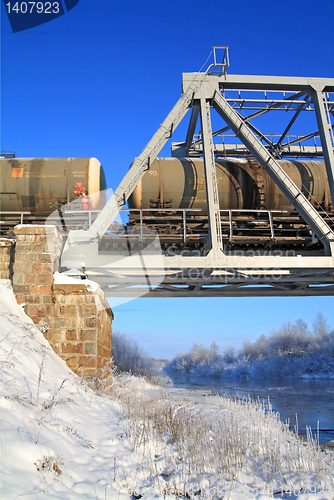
206,449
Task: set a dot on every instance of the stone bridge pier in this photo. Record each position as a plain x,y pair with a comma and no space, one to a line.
74,317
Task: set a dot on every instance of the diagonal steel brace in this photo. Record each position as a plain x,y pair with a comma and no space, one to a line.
139,166
276,172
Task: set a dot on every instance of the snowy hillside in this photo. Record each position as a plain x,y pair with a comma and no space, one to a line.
62,440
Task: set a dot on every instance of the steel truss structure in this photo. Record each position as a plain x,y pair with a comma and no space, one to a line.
238,100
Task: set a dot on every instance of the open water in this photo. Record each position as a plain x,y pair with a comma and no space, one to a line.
312,400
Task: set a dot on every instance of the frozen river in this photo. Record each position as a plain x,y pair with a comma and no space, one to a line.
312,400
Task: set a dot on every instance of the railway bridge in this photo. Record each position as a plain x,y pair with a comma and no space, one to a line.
242,252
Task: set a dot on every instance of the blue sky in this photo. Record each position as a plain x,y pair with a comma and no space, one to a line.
99,80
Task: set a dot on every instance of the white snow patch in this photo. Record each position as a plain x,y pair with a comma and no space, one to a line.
63,279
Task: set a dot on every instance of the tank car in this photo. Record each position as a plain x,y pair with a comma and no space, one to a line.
254,212
179,183
42,185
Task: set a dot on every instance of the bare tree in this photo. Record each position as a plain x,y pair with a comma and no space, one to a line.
320,326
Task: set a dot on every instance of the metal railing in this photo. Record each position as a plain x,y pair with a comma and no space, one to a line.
20,214
184,224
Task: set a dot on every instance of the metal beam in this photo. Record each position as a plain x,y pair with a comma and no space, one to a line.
271,166
139,166
192,127
215,231
326,135
292,121
227,291
259,82
257,113
219,274
258,133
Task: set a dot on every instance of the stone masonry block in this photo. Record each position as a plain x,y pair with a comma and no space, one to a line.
34,299
19,277
76,347
70,288
88,310
86,334
19,298
23,267
30,279
90,348
71,361
25,256
68,310
21,288
87,373
71,334
91,322
38,267
47,267
4,256
46,299
45,289
45,279
40,310
45,257
88,361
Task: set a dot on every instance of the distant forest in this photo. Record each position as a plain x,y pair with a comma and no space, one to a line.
293,350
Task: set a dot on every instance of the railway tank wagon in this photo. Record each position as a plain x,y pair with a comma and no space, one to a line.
242,184
42,185
171,198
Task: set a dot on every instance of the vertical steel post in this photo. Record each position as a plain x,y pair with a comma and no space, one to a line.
276,172
231,225
215,232
184,226
272,232
325,130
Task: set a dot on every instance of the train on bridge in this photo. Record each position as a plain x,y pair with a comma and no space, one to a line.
171,198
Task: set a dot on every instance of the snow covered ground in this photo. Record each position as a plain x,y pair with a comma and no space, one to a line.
60,439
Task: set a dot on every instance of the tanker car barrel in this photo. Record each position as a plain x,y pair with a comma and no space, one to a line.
179,183
172,186
42,185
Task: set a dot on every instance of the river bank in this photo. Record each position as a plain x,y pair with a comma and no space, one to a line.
312,400
62,439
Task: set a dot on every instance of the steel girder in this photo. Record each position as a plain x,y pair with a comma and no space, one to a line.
326,133
296,102
299,275
139,166
215,232
276,172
